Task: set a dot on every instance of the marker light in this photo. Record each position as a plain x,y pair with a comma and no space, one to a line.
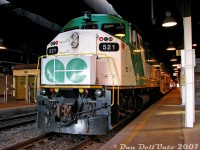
101,39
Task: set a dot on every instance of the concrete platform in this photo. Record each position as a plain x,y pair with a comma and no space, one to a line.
12,108
161,126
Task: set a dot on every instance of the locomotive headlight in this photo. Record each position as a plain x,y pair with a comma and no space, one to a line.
74,36
43,92
74,44
75,40
98,92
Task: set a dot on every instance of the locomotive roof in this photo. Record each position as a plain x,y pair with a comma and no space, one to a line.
99,19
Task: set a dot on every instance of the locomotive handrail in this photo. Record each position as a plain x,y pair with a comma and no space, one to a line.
113,82
105,56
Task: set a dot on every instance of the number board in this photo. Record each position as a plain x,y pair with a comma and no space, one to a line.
108,46
52,50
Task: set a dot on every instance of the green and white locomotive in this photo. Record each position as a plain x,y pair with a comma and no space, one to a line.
95,72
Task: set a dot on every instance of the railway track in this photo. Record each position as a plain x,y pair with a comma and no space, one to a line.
96,141
43,141
53,141
69,142
31,142
19,120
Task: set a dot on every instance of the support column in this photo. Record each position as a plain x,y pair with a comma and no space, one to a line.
26,89
188,63
6,88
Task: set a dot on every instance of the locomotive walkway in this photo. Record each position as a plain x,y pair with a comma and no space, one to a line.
161,126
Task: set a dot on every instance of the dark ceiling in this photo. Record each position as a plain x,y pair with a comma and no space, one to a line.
27,26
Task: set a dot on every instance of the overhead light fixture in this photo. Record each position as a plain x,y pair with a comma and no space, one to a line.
2,46
156,66
137,50
173,58
194,45
174,65
175,68
169,21
120,35
151,60
171,47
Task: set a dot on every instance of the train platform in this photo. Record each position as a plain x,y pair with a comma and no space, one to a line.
161,126
15,107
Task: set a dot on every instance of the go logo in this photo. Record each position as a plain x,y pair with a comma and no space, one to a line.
75,71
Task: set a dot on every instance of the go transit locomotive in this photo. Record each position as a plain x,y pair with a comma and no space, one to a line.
95,72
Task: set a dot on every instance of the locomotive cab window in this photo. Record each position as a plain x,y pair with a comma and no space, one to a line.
90,26
136,39
117,29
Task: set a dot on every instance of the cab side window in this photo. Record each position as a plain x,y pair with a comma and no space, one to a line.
116,29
